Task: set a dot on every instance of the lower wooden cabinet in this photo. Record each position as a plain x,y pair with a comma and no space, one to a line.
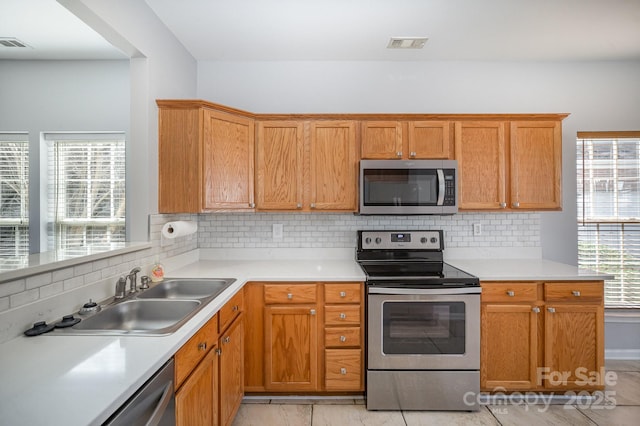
542,336
304,337
231,351
197,398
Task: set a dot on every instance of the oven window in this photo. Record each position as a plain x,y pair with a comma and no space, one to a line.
423,327
390,187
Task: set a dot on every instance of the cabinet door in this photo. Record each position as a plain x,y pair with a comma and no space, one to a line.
480,150
279,165
334,165
536,165
197,398
509,346
231,371
381,140
228,154
291,348
429,139
574,345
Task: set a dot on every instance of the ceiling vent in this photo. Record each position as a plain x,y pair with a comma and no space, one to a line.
11,42
407,42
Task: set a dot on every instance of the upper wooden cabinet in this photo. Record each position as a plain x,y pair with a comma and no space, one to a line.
306,165
205,159
509,165
405,140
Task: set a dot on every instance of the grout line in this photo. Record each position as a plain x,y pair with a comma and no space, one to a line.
486,407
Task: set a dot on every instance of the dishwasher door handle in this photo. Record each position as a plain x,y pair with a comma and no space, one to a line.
165,399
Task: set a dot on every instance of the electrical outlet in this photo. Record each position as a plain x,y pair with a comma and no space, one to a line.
277,231
477,229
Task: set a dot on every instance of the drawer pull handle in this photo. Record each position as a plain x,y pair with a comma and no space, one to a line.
343,294
511,293
226,339
289,296
343,315
576,293
234,308
312,312
202,346
536,309
551,310
343,371
343,339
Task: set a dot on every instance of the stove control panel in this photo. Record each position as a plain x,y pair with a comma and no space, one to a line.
413,240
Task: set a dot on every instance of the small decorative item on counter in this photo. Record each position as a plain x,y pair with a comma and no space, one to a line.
157,273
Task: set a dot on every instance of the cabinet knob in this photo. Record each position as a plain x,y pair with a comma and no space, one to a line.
218,351
312,312
412,154
299,205
516,204
536,309
343,315
289,296
312,205
551,310
235,308
399,154
511,293
503,205
343,371
202,346
343,339
226,339
576,293
252,205
343,294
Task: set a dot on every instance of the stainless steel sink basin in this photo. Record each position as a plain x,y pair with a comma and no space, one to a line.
186,288
142,317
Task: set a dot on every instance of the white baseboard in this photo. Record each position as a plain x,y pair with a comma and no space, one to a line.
622,354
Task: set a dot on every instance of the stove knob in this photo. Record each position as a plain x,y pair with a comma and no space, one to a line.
378,240
434,240
367,240
423,240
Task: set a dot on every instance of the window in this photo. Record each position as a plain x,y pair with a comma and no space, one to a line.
86,190
14,194
608,166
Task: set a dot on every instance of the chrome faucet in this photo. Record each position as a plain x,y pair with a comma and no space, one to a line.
133,277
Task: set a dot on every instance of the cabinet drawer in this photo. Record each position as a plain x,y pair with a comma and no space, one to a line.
343,369
342,293
340,337
289,293
342,315
192,352
574,292
509,292
230,310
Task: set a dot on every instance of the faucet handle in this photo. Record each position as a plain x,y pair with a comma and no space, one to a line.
144,282
121,286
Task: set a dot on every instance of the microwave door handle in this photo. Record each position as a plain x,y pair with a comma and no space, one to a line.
440,187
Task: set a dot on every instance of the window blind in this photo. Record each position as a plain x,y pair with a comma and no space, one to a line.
87,195
608,189
14,194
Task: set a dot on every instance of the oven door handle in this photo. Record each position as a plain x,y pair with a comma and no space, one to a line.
429,291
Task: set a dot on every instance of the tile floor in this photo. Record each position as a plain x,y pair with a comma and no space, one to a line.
625,410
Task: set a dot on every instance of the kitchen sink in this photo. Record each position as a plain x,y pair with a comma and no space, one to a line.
142,317
186,289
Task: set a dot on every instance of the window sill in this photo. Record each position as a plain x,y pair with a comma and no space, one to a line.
15,268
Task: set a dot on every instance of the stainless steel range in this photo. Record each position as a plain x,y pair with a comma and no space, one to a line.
423,324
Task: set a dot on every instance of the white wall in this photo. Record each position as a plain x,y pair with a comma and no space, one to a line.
599,96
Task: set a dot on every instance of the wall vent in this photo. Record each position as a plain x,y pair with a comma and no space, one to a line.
407,42
12,42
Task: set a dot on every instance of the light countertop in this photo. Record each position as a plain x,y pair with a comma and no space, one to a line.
80,380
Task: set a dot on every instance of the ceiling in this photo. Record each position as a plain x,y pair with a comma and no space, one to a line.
349,30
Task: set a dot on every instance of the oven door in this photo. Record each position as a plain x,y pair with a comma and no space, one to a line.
423,329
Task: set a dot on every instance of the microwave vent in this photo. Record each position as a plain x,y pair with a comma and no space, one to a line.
12,42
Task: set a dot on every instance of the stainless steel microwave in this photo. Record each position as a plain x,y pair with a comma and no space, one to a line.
408,187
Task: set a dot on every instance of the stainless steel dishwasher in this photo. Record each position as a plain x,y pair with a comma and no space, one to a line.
153,404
